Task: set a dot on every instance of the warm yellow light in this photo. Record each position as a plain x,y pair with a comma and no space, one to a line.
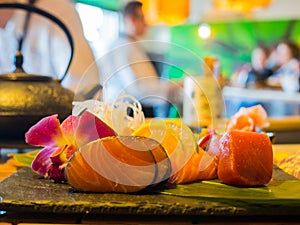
167,12
243,6
204,31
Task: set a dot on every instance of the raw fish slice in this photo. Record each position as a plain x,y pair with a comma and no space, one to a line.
259,116
175,137
113,164
201,166
161,158
248,119
246,159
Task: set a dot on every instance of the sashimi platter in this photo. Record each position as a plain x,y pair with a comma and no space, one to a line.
102,149
91,154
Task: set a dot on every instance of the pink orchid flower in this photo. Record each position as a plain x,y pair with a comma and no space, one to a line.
60,141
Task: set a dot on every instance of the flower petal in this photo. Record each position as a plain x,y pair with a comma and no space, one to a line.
62,154
46,132
42,161
57,173
90,128
68,127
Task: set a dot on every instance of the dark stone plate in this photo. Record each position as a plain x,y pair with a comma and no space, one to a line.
25,191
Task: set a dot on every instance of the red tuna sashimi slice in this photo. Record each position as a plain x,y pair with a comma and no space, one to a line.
246,159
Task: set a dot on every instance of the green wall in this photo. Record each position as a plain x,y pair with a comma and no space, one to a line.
113,5
231,42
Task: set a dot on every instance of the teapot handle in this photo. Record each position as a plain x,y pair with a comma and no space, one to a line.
41,12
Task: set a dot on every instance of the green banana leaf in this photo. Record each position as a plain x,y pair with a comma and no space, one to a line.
25,158
281,187
288,189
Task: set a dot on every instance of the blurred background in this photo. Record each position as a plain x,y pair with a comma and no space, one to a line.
226,29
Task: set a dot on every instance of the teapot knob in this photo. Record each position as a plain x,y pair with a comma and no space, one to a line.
19,59
19,62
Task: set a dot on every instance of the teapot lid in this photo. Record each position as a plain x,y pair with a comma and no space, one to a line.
20,75
24,77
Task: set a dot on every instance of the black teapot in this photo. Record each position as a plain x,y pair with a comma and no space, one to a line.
26,98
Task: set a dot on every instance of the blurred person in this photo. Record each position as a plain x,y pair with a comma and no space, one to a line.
127,68
255,73
45,48
288,72
260,70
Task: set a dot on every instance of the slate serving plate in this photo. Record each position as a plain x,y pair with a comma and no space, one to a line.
25,191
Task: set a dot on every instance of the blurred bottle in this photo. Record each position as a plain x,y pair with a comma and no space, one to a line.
212,67
203,101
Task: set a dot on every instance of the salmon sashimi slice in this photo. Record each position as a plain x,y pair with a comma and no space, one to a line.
201,166
162,161
118,164
246,158
248,119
